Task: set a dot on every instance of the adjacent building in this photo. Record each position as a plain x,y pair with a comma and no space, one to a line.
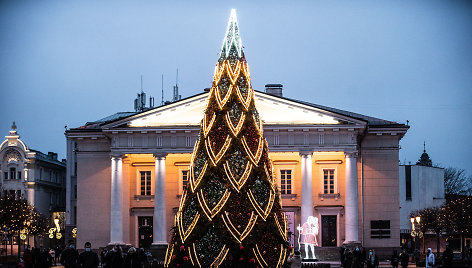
421,186
38,177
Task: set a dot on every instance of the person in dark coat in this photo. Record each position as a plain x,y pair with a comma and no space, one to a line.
28,258
357,260
43,260
88,258
132,259
448,256
342,253
348,259
395,259
114,258
70,257
405,259
372,260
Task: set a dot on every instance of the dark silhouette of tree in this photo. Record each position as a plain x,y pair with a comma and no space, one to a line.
456,182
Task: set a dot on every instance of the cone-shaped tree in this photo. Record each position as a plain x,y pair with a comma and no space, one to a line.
230,212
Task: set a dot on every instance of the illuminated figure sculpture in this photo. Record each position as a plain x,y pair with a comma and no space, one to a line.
308,232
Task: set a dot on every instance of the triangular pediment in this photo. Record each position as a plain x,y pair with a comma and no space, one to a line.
273,111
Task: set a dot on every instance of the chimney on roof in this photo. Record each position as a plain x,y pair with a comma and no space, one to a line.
274,89
52,155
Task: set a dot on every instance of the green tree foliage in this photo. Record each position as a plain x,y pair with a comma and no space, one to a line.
17,216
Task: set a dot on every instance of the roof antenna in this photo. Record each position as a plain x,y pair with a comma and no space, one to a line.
176,88
141,83
424,146
162,87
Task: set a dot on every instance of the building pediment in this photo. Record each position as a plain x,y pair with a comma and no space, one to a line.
273,111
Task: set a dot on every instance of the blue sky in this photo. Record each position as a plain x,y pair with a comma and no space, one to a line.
69,62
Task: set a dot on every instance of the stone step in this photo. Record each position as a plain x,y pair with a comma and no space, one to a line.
324,253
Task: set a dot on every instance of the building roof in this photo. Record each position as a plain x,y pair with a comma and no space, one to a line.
371,121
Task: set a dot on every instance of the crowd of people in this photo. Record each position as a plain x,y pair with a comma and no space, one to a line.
70,258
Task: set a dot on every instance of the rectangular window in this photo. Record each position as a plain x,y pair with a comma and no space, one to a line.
286,181
19,175
379,229
184,179
328,181
408,182
5,175
75,191
145,182
12,173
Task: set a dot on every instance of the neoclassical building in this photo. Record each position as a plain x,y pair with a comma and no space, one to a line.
38,177
131,168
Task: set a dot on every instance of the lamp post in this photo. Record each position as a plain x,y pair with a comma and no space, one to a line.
415,231
55,232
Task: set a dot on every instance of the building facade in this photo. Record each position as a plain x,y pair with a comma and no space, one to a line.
421,186
341,167
38,177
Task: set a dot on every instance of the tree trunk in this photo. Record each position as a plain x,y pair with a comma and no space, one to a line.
438,243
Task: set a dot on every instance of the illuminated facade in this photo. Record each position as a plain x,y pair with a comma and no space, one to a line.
338,166
38,177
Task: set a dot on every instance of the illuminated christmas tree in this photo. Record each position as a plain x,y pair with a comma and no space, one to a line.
230,213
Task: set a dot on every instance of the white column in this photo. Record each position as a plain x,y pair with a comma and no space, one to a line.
159,234
69,173
351,206
307,188
116,205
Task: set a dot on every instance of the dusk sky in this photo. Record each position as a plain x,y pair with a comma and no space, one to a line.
69,62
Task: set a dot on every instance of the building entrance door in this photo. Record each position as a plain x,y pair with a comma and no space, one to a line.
329,231
145,232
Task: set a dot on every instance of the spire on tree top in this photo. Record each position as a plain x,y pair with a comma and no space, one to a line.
232,44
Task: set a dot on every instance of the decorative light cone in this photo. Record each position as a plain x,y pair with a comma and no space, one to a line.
230,212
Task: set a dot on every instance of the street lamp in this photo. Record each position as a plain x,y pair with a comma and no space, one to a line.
415,231
55,232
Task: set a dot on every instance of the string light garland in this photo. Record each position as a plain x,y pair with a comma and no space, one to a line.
253,157
215,159
210,213
235,129
239,236
262,212
282,230
237,183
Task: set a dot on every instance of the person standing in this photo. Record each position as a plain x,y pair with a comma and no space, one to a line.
395,259
373,260
132,259
70,257
429,258
88,258
405,259
448,256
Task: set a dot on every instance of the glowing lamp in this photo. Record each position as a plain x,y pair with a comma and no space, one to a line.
412,220
418,219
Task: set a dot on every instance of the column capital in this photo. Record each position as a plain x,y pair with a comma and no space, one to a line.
303,153
117,155
160,155
351,154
